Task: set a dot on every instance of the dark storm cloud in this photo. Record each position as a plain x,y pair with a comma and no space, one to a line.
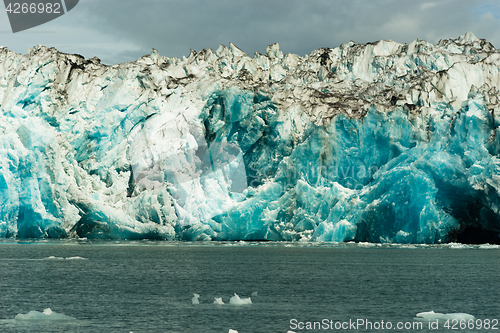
120,30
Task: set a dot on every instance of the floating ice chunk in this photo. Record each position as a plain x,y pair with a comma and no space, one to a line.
489,246
62,258
76,258
431,315
458,246
366,244
195,300
255,293
236,300
232,331
47,314
218,300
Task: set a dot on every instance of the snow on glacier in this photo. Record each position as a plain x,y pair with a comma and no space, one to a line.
377,142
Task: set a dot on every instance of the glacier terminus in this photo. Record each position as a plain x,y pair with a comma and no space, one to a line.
381,142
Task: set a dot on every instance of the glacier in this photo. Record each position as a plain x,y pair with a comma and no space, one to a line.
380,142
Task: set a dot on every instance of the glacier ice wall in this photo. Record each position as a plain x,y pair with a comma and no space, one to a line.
378,142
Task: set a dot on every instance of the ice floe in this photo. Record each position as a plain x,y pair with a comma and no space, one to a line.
46,315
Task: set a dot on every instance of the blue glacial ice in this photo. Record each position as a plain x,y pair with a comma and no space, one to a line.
378,142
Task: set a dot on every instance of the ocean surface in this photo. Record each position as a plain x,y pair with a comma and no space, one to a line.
148,286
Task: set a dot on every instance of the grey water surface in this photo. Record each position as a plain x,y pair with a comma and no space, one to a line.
148,286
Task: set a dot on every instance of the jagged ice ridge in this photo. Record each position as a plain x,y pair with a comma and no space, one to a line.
378,142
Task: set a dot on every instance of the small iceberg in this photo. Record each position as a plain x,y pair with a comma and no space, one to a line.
46,315
431,315
232,331
195,300
488,246
62,258
76,258
218,300
236,300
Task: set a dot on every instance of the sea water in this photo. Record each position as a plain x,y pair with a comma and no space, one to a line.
149,286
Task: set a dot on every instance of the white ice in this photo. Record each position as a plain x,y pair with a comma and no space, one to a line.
218,300
46,315
64,258
236,300
443,316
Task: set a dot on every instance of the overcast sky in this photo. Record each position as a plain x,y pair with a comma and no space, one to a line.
123,30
